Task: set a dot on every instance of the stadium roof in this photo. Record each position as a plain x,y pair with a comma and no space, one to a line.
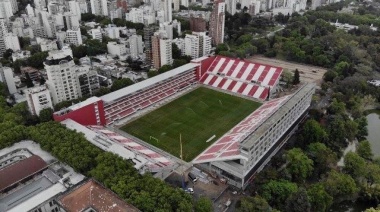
93,195
146,83
14,173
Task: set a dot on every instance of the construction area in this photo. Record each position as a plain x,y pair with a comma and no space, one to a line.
308,73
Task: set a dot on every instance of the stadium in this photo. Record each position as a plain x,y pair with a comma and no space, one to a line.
216,112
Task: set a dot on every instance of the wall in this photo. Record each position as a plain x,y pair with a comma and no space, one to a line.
85,115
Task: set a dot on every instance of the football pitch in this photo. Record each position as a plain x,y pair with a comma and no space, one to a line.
196,116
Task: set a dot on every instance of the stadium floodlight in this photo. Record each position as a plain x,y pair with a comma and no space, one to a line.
180,143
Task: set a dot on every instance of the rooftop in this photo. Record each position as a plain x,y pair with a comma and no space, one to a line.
92,195
13,174
146,83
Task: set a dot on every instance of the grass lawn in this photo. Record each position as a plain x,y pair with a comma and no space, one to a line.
197,116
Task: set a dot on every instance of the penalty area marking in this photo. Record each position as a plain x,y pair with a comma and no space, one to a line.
210,139
151,137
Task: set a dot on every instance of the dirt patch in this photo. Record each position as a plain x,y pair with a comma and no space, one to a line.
308,73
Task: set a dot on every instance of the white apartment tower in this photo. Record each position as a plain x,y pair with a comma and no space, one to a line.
3,32
6,10
75,9
99,7
38,98
6,76
74,37
135,15
72,21
192,46
166,51
166,5
135,45
197,44
231,6
60,69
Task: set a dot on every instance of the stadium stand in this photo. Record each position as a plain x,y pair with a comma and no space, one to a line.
243,77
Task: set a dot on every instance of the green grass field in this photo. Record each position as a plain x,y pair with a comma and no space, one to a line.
197,116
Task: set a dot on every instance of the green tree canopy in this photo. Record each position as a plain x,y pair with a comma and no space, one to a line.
364,150
339,185
253,204
203,204
46,115
354,165
298,164
298,201
312,131
319,199
121,83
276,192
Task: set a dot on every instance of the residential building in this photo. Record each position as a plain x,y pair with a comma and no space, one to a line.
47,45
168,28
161,49
135,15
135,45
99,7
231,6
166,5
116,49
148,34
11,42
6,76
197,44
75,9
96,33
123,4
71,21
30,72
113,32
217,19
93,195
192,46
20,55
197,24
38,98
25,167
74,37
3,31
60,69
6,9
87,80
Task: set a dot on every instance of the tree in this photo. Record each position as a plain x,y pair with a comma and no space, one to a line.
298,201
298,164
28,81
37,59
121,83
296,78
339,185
354,165
319,199
324,158
364,150
176,52
46,115
203,204
372,174
253,204
312,131
276,192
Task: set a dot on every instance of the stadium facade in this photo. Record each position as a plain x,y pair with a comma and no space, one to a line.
239,153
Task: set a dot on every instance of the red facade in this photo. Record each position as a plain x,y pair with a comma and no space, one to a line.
86,115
